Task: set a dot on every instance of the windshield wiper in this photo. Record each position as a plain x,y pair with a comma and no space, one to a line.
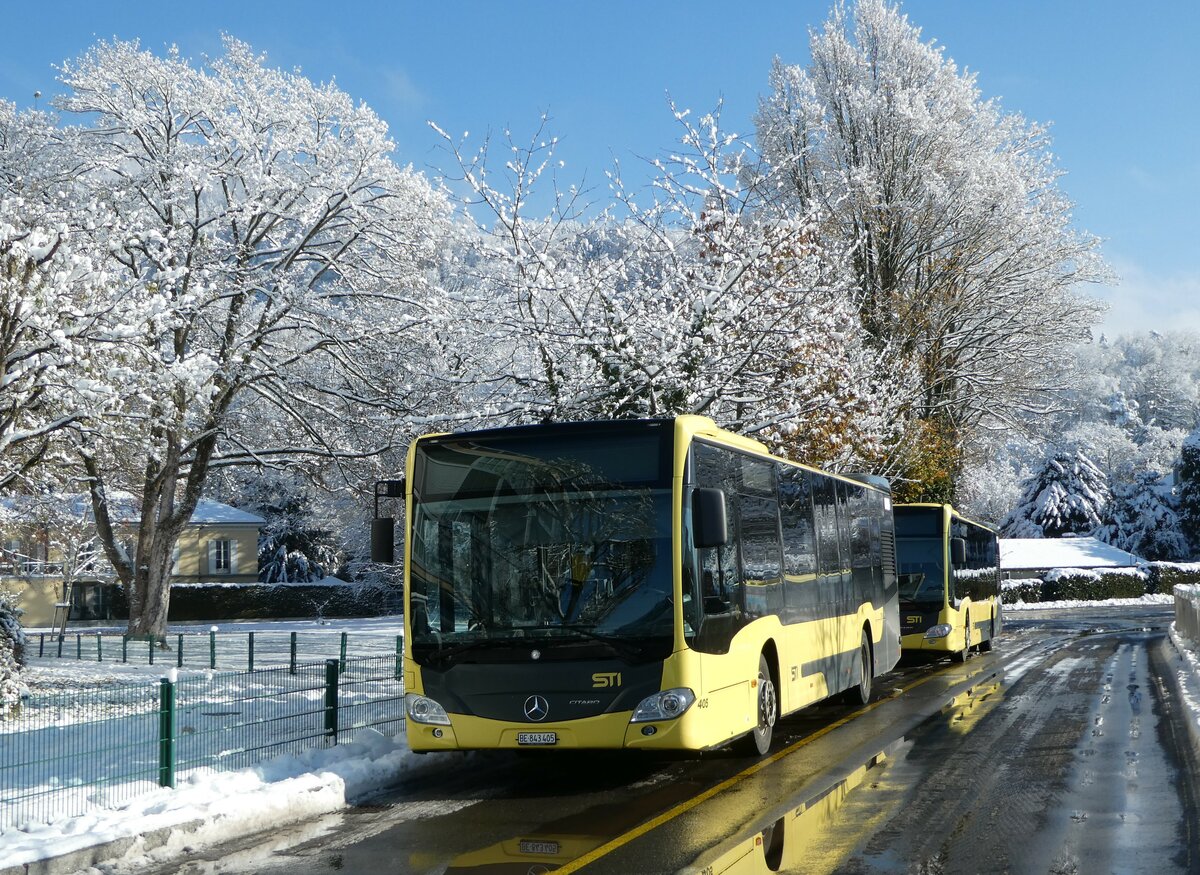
623,646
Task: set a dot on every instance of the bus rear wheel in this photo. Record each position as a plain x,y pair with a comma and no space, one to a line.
860,694
759,740
986,645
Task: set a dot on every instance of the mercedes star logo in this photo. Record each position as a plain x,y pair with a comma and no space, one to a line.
536,708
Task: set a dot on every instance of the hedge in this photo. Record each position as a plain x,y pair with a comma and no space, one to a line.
258,601
1077,584
1165,575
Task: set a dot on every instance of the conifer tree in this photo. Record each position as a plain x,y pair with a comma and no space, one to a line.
1068,495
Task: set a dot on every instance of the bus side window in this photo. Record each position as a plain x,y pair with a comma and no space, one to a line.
799,542
720,578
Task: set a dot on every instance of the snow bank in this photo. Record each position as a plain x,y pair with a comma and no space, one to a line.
213,807
1150,599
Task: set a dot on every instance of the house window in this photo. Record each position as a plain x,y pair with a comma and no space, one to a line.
221,556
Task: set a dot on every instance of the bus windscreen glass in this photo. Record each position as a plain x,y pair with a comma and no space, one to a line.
562,543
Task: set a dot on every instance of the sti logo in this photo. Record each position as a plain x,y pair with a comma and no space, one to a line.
606,679
914,620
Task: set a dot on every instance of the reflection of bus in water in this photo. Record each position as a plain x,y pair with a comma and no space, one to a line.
657,584
949,572
798,841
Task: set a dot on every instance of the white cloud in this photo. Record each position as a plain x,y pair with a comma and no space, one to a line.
1149,301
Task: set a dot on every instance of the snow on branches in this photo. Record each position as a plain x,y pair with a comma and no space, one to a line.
1069,495
263,252
697,298
962,247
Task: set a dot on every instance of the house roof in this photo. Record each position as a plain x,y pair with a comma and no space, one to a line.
1042,553
124,509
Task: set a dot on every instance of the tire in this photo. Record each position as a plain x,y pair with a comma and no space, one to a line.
860,694
962,655
985,646
758,742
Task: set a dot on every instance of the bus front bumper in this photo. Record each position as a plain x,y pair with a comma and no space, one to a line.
607,731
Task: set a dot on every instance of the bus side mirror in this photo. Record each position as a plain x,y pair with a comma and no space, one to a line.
383,529
958,551
709,526
383,540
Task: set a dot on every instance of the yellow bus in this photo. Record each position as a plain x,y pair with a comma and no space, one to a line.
949,580
653,584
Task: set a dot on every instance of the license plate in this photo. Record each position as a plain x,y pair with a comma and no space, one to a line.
537,738
529,846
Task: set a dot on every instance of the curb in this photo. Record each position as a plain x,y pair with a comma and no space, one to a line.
1184,679
93,855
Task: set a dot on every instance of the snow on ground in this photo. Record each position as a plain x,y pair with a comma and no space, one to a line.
208,806
220,806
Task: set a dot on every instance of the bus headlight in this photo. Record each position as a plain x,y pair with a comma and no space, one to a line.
941,630
666,705
422,709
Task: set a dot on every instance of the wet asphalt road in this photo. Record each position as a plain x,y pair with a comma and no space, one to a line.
1062,751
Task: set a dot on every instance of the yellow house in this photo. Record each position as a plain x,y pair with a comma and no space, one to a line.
51,558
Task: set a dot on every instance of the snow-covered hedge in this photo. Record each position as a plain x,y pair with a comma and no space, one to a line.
1078,584
1165,576
12,653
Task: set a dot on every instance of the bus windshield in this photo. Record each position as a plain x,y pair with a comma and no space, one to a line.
563,544
920,554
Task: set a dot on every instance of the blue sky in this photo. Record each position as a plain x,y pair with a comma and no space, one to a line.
1119,83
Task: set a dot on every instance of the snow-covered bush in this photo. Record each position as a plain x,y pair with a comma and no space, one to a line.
1078,584
12,653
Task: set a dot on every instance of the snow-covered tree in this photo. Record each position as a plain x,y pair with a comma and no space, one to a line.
697,300
1189,491
296,544
12,654
47,282
1068,495
963,248
263,252
1143,519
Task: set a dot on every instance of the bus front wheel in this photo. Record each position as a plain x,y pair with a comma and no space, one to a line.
961,655
767,710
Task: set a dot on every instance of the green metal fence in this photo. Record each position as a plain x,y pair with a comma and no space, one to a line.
70,753
211,649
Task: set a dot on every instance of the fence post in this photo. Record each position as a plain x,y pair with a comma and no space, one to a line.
79,645
399,657
166,731
179,657
99,648
343,658
150,649
331,700
60,641
42,644
250,651
292,658
212,647
124,648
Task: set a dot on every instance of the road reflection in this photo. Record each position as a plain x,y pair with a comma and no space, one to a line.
802,840
793,835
